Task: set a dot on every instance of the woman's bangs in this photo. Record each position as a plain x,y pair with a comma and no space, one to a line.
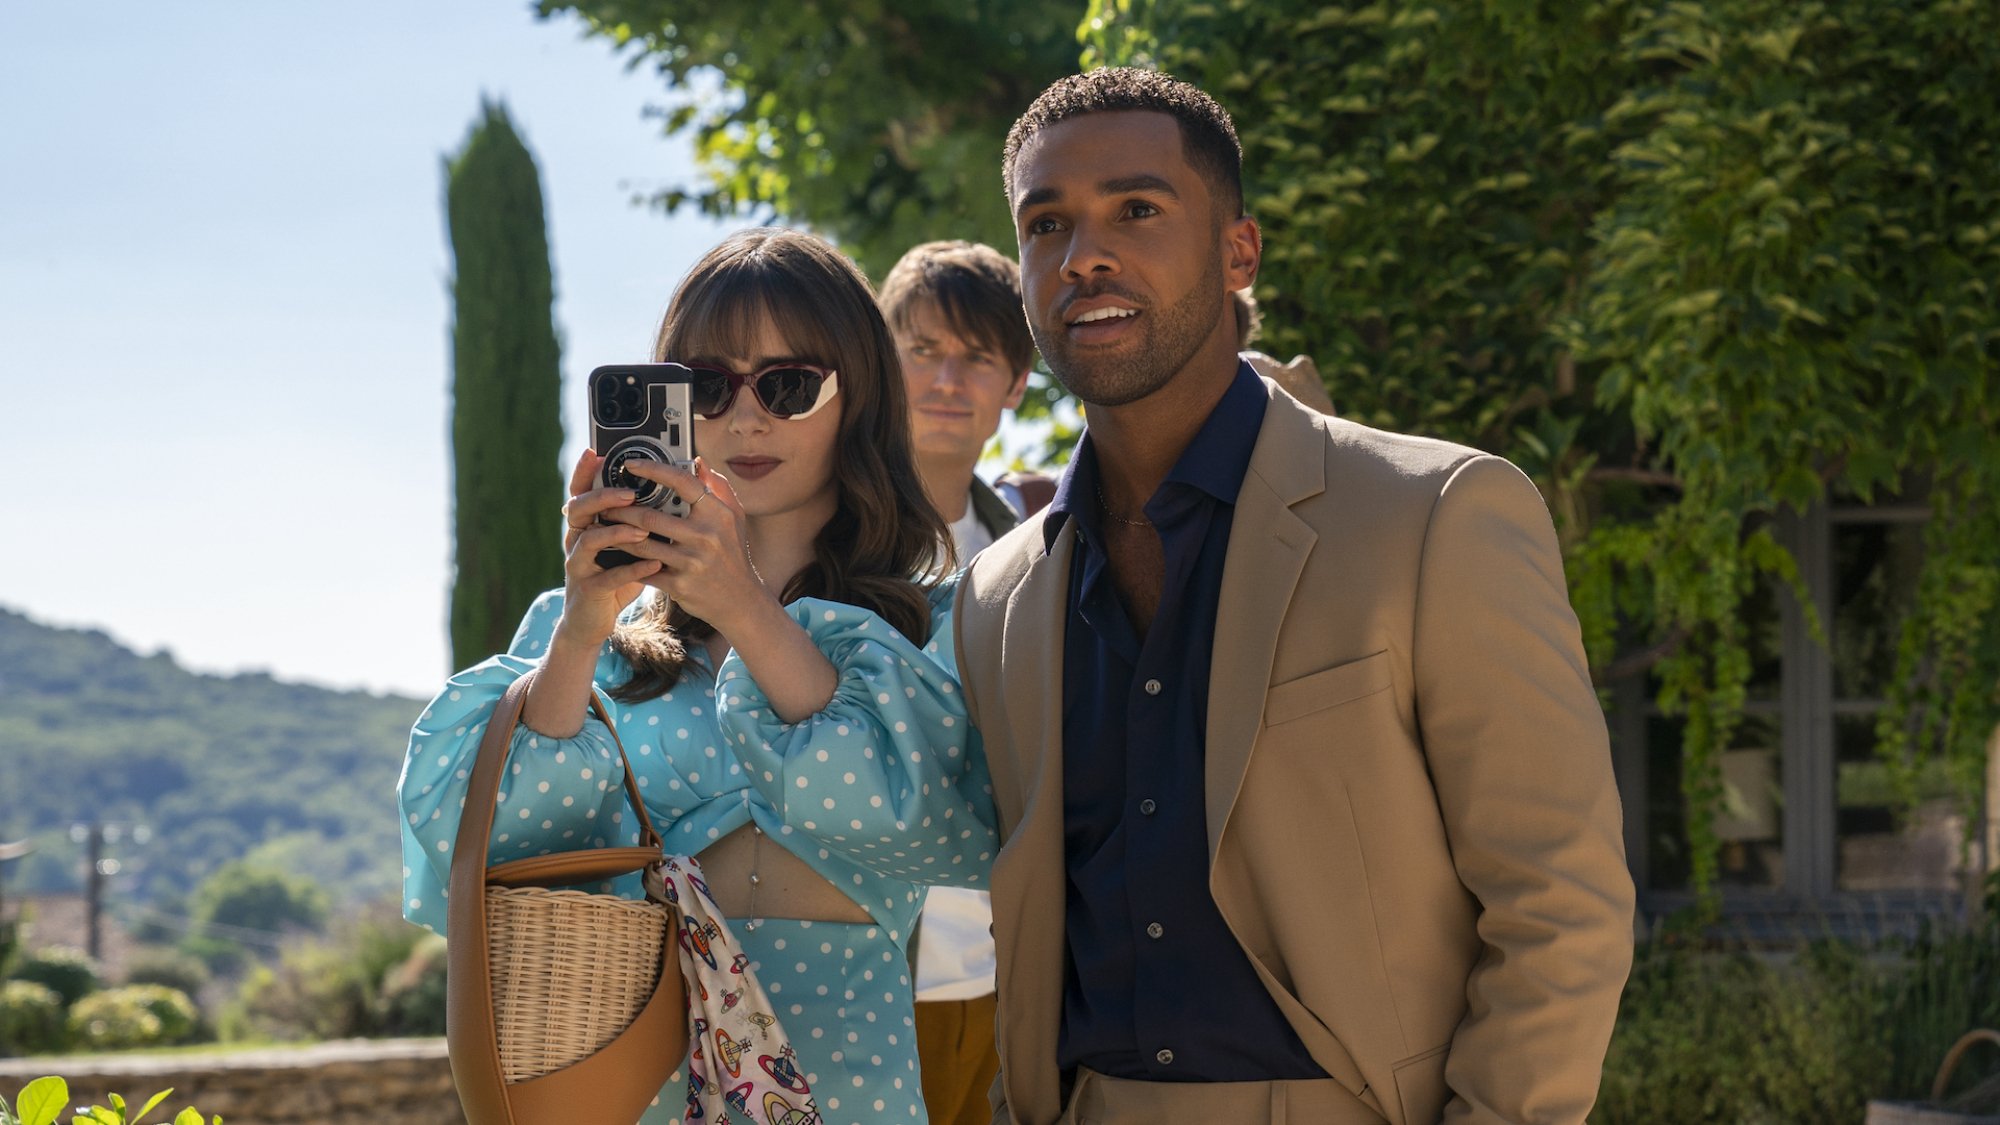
724,316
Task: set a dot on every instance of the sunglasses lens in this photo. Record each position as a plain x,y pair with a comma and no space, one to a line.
709,393
789,391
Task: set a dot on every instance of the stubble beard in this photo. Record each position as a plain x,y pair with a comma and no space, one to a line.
1169,340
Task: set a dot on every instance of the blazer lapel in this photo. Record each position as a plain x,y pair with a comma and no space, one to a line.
1268,546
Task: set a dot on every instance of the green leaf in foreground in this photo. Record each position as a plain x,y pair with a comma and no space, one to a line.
152,1104
42,1100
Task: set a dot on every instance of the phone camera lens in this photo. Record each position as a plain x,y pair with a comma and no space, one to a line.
617,475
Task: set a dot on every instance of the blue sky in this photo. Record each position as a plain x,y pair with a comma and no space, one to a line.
224,321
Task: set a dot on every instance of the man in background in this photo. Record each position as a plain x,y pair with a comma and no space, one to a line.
955,311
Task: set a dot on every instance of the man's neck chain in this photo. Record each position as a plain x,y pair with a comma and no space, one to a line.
1114,516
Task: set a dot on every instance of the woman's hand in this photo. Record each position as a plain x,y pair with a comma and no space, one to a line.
594,596
706,567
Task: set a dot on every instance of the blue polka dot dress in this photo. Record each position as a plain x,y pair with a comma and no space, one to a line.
883,792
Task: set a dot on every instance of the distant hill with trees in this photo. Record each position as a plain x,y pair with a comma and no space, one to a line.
216,769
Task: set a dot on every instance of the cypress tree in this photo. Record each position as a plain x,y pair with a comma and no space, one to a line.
506,426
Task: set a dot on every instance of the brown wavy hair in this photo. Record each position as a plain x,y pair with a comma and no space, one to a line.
884,545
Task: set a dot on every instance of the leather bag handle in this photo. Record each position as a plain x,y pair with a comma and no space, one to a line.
470,1030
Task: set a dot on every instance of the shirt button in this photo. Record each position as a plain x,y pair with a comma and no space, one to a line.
1166,1057
1152,687
1154,930
1147,806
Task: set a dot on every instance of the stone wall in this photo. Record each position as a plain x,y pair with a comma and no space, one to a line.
356,1082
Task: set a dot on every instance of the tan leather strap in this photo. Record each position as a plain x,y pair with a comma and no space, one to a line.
470,1031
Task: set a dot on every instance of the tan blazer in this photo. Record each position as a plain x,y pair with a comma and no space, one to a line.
1412,824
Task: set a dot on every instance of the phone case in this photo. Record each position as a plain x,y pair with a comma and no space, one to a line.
640,411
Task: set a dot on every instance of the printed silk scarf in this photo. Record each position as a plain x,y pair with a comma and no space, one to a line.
741,1066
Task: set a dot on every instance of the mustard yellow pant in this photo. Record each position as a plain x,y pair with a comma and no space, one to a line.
956,1059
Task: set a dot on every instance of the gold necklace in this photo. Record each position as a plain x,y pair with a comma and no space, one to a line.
1114,516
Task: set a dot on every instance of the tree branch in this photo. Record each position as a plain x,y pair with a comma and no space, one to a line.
1655,477
1634,663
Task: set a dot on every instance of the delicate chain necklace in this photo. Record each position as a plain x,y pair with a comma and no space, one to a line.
1114,516
756,858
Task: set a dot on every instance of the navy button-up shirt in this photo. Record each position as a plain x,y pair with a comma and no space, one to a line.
1157,987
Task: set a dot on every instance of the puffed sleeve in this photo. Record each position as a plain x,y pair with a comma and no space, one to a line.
889,772
558,794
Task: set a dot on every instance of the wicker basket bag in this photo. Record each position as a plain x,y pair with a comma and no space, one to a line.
560,1005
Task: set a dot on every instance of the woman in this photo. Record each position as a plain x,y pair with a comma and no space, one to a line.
787,699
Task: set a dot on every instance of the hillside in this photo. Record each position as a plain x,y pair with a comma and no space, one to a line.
216,768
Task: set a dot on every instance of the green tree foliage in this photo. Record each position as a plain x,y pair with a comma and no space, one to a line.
215,766
258,898
1687,264
876,123
506,426
168,967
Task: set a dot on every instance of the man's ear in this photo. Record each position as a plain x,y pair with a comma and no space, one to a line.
1242,252
1020,390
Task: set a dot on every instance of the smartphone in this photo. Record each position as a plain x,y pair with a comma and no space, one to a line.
640,412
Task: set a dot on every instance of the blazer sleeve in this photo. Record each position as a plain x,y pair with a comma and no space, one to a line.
1521,762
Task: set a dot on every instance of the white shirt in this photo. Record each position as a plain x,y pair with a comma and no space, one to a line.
955,943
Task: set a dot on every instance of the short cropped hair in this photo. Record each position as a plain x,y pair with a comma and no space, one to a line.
975,288
1208,136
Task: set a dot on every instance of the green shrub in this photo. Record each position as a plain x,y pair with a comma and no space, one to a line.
70,972
146,1015
1708,1035
314,993
171,967
1950,984
31,1018
1745,1038
179,1017
339,988
412,995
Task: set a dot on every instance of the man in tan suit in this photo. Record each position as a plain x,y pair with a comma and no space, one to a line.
1306,797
